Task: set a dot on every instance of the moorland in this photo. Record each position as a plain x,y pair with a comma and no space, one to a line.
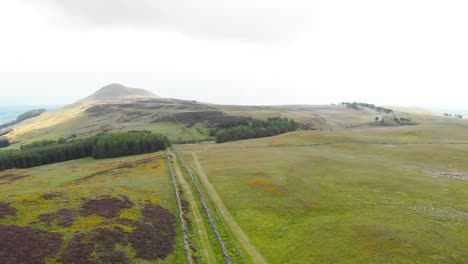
343,183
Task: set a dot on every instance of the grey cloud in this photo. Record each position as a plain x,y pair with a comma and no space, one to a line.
257,20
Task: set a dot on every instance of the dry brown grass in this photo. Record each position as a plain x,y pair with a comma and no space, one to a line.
259,182
314,205
258,173
275,190
47,119
267,186
342,146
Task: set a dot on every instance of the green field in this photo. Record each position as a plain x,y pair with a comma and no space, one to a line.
349,191
363,195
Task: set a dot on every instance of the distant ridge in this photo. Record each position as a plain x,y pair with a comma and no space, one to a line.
118,91
27,115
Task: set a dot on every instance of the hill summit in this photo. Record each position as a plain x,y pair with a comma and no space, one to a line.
118,91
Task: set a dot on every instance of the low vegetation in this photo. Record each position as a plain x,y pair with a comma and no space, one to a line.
6,210
27,245
211,118
153,238
101,146
59,214
98,246
347,195
107,207
63,217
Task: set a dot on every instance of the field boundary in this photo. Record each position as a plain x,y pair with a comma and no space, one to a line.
228,218
338,142
198,219
181,215
207,210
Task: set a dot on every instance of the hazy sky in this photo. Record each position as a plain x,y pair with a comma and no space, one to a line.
400,52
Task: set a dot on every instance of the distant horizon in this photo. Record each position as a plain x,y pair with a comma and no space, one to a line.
244,98
9,113
435,109
256,52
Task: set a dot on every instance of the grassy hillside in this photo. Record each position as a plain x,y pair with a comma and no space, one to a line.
321,117
363,195
83,120
180,120
118,91
353,190
118,108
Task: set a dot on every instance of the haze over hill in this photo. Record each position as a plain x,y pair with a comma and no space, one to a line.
117,108
118,91
233,132
107,94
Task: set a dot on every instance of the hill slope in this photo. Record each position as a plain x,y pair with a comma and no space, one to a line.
118,91
116,108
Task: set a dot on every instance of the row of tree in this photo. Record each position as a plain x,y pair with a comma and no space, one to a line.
457,116
394,121
256,128
100,146
124,144
32,156
357,106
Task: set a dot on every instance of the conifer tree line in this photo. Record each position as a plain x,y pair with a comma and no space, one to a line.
4,143
124,144
252,128
100,146
356,106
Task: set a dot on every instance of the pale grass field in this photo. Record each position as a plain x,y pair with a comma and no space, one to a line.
346,202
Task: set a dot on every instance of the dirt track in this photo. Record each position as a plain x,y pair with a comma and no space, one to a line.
337,142
229,220
181,212
203,234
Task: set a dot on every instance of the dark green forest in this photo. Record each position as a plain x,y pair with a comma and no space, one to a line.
100,146
124,144
357,106
135,142
252,128
4,143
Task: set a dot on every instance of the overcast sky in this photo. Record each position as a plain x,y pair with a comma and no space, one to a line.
400,52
